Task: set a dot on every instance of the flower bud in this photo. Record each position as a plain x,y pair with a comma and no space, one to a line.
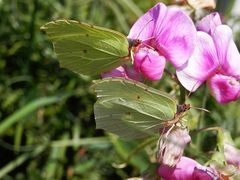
171,146
149,63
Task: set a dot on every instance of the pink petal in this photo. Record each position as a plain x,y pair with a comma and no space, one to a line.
224,88
175,36
131,73
232,155
172,145
118,72
202,172
186,169
201,65
123,71
149,63
228,54
143,28
209,23
183,170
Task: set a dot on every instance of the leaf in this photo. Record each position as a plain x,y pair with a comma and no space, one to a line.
20,160
28,109
87,49
131,109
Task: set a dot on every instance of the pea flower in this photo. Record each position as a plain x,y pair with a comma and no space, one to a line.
232,155
215,59
187,169
124,71
165,34
172,144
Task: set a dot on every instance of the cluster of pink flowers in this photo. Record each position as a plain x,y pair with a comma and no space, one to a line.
215,59
200,53
189,169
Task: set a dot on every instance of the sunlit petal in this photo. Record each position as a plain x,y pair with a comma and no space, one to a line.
175,36
224,88
149,63
201,65
209,23
143,28
228,53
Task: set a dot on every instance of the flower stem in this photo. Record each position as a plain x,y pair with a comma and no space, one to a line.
173,76
182,98
201,122
215,128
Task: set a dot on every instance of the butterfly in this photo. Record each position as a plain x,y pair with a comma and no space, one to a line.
133,110
87,49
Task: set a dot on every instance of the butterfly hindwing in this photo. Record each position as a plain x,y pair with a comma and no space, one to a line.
131,109
86,49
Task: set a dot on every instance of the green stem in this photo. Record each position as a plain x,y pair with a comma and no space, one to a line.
134,152
182,95
201,122
173,76
215,128
140,147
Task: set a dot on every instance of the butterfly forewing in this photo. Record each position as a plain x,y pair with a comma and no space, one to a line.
133,105
86,49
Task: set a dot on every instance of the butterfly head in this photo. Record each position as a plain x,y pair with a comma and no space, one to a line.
133,43
183,107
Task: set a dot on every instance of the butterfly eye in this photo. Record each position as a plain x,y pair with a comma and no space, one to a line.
137,42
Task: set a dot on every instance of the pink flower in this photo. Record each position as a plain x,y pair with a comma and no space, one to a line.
232,155
187,169
215,60
166,34
149,63
171,146
123,71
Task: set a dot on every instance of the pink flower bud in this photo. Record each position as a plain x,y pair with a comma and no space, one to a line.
187,169
232,155
118,72
149,63
123,71
171,146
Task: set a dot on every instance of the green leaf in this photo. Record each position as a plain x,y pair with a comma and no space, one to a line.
131,109
20,160
87,49
28,109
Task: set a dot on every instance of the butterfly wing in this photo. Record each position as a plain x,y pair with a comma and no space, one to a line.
131,109
86,49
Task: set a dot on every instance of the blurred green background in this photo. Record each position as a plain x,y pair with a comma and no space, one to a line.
47,128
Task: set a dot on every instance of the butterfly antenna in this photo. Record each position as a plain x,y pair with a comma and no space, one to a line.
202,109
